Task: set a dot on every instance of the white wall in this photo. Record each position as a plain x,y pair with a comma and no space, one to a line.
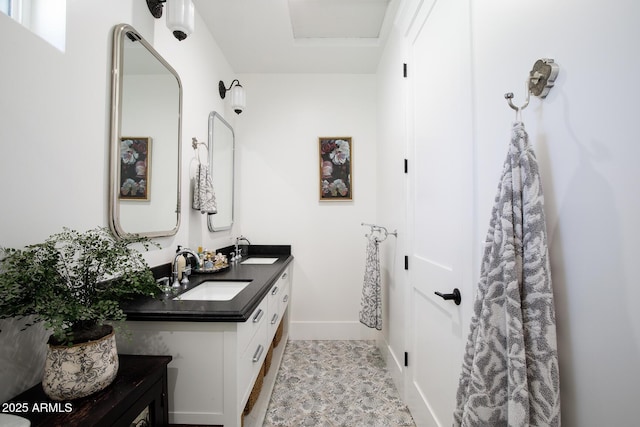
587,146
54,141
279,190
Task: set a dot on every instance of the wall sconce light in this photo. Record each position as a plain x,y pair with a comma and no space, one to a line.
180,15
238,99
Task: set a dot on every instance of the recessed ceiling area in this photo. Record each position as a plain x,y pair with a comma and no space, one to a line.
360,19
299,36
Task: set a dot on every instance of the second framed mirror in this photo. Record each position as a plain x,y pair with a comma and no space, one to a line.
221,162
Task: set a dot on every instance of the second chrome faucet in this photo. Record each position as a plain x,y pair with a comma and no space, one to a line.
176,273
238,248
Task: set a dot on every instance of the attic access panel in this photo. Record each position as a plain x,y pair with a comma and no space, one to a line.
339,19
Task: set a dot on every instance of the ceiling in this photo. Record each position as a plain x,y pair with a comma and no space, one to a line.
299,36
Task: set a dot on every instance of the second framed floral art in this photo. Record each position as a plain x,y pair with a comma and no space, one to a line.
336,158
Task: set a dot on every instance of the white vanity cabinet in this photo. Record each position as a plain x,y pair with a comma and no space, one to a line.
215,364
278,302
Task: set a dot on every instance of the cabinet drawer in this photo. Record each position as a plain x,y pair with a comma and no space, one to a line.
285,277
277,294
285,296
251,361
274,321
285,292
274,296
274,309
283,289
247,330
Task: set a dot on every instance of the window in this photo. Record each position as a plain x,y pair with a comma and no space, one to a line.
46,18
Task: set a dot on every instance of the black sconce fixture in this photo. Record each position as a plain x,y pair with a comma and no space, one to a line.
180,15
238,99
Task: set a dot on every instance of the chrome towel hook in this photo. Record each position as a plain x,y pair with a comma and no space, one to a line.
509,97
540,81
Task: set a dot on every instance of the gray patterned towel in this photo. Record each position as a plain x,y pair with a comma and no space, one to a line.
371,303
204,198
510,369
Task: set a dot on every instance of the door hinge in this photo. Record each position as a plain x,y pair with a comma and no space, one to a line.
406,359
406,166
404,70
406,262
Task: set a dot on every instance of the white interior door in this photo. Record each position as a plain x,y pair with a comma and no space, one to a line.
440,202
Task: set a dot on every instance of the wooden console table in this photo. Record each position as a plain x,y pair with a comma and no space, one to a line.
141,383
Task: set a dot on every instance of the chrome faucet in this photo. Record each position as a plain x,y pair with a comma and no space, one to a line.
187,270
238,255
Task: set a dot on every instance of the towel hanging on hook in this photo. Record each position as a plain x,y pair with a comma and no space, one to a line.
540,81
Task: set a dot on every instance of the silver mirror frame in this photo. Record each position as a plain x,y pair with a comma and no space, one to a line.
213,116
119,32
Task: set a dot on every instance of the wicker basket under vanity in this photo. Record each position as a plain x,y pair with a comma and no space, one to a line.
255,391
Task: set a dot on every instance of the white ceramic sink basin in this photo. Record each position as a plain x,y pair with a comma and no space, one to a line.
258,260
8,420
213,291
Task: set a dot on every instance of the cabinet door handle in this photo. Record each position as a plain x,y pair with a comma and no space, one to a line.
286,298
274,319
258,316
258,353
274,290
284,276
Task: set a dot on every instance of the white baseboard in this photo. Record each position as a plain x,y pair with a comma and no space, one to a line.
331,331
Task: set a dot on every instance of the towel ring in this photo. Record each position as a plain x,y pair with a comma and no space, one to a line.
380,229
195,144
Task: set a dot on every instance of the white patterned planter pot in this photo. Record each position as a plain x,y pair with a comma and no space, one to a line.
72,372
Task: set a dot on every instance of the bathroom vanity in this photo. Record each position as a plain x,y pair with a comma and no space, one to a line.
218,346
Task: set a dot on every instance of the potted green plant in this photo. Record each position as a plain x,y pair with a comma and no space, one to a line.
74,283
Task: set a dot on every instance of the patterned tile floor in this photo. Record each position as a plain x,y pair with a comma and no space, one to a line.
335,383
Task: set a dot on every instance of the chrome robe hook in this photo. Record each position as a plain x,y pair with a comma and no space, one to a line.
509,97
540,81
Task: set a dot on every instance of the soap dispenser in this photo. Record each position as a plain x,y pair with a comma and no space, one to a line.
181,263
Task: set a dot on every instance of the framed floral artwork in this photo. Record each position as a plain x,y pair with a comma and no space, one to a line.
336,158
135,164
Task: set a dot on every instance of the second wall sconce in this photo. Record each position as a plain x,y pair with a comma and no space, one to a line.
180,15
238,100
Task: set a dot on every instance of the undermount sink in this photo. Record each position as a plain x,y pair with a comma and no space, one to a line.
213,291
258,260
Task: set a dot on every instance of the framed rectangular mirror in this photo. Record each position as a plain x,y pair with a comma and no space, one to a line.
221,162
145,154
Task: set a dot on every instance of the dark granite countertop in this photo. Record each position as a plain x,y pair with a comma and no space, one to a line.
238,309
